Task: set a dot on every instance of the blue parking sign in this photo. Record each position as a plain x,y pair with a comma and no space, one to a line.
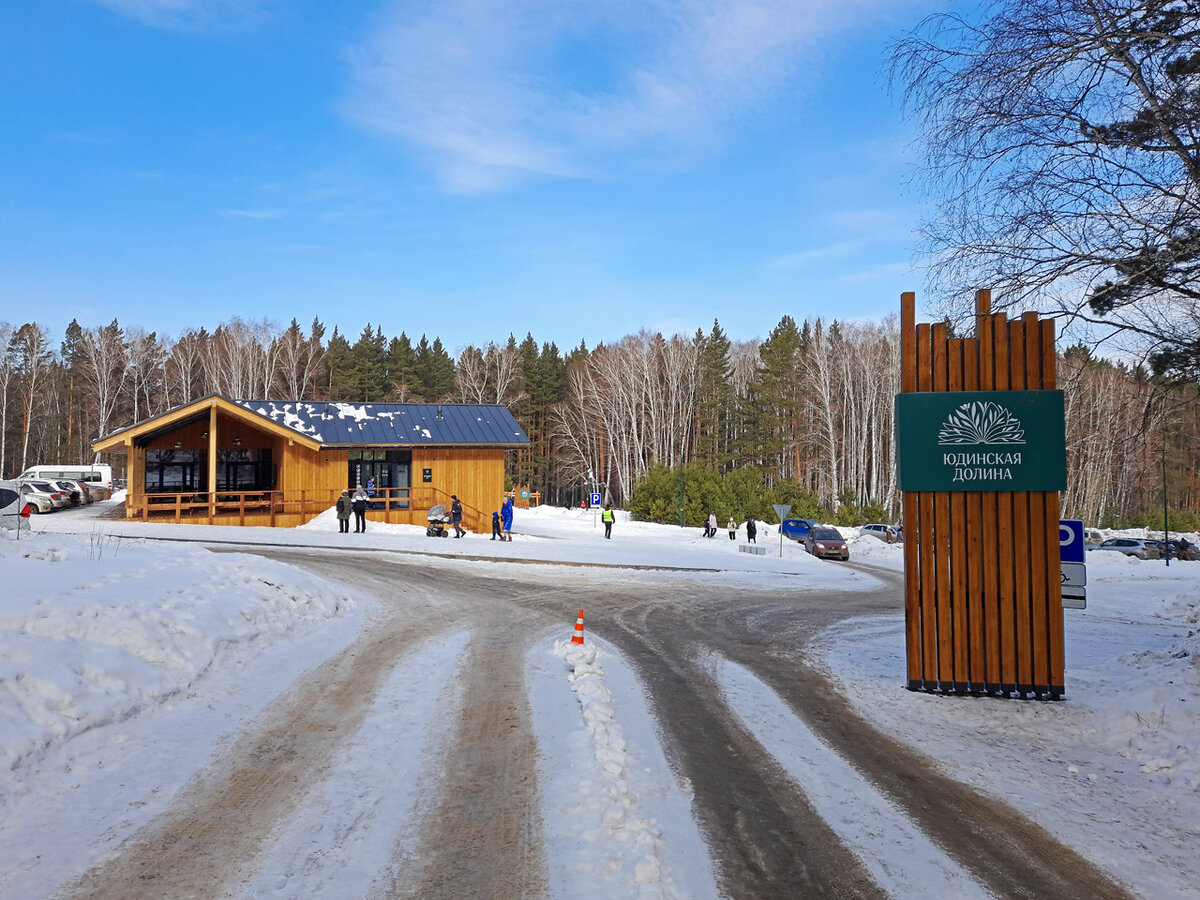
595,499
1070,541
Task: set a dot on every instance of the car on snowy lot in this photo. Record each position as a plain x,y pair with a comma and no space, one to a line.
38,502
826,543
11,504
74,491
797,529
1139,547
889,534
1178,549
39,491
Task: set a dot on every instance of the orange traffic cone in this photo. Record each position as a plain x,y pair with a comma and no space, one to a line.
577,637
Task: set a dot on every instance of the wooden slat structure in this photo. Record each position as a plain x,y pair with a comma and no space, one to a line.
983,600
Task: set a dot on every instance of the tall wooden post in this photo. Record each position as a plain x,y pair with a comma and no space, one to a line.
983,599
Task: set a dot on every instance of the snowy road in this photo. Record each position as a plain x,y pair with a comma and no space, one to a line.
789,792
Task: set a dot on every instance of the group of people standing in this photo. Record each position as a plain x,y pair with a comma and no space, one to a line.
502,521
710,529
356,504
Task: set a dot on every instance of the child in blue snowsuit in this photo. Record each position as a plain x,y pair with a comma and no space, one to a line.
496,526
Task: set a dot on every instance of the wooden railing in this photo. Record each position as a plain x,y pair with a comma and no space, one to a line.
305,504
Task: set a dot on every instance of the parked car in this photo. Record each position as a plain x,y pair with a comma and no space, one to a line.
826,543
889,534
74,491
1139,547
1179,549
38,501
1092,538
797,529
11,504
57,498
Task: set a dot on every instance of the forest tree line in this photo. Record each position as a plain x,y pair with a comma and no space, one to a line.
805,413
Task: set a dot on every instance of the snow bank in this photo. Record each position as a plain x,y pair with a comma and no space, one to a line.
1114,770
603,774
96,628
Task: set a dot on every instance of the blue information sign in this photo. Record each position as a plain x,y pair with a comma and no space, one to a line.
595,499
1070,540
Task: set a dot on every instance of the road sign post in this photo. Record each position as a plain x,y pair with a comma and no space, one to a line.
781,510
1072,564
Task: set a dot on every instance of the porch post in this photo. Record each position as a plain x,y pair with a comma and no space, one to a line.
212,461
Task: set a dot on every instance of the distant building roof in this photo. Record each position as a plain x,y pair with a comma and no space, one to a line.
408,424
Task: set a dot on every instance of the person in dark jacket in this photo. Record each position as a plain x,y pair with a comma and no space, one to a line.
344,508
496,526
751,530
360,501
456,515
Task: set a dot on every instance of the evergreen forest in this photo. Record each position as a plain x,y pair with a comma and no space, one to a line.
668,427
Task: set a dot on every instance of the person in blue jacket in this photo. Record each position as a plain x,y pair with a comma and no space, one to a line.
506,517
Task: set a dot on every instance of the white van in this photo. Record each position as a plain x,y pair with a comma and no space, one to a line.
90,476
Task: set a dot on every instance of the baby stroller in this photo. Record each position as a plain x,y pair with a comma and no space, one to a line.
438,520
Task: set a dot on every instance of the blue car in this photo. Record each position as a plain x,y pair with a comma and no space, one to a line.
797,529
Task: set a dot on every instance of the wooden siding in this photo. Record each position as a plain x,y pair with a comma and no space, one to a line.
983,600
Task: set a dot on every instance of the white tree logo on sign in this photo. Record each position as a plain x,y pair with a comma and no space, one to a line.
981,423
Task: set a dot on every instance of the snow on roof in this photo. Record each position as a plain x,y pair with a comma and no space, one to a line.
395,423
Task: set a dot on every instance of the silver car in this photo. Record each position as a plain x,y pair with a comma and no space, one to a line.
38,491
1139,547
11,504
889,534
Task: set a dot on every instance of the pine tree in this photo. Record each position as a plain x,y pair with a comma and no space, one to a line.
714,400
340,382
402,368
369,366
777,401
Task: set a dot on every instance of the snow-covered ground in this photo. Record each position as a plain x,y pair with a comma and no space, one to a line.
129,658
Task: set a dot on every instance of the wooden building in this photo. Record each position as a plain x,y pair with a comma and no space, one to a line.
262,462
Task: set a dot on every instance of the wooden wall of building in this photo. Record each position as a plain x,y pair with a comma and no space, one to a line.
310,480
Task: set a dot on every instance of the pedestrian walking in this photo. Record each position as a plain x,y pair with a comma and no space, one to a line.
506,517
344,508
751,530
732,526
496,526
712,525
456,515
607,517
360,501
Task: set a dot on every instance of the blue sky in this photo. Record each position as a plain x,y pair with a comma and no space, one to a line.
460,168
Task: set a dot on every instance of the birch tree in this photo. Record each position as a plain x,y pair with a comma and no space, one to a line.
106,368
31,365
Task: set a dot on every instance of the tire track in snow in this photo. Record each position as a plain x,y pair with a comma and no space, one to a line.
344,844
899,856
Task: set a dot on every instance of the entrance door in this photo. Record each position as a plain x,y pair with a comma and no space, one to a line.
384,475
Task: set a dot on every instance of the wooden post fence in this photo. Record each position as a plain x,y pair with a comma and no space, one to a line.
983,599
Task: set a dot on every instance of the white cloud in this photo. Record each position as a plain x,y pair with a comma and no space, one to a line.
497,90
816,254
194,15
253,213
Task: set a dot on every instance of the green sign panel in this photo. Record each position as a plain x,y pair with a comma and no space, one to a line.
982,441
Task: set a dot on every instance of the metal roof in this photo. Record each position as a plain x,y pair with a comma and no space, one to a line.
394,424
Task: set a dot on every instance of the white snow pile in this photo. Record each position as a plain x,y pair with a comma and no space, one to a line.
620,816
101,627
603,769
